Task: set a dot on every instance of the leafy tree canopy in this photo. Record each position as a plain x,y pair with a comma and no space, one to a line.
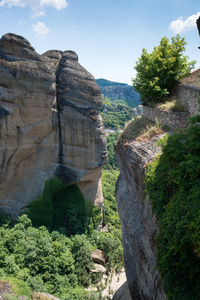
157,71
36,255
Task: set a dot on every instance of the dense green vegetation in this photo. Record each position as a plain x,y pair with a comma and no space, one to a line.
172,182
125,102
157,71
116,116
50,249
109,179
59,206
41,261
111,141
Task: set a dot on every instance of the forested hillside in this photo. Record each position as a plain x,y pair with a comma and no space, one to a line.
115,115
120,93
104,82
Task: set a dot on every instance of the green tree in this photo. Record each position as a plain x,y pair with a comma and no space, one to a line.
111,141
59,206
40,209
81,251
109,178
70,210
157,71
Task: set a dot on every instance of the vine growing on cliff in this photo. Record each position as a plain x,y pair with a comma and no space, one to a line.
172,182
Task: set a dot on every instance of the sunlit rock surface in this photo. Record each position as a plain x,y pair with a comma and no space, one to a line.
49,123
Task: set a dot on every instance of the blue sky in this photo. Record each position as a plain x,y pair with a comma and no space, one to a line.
108,35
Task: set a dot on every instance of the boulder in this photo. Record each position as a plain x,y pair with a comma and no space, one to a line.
98,257
43,296
98,268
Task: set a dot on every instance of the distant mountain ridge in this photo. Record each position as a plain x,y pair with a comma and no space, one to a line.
104,82
117,90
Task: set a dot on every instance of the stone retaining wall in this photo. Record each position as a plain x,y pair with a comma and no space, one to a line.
166,117
188,95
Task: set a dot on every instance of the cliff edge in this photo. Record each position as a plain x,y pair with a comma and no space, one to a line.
139,227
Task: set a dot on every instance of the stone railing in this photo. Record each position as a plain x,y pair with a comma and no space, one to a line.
166,117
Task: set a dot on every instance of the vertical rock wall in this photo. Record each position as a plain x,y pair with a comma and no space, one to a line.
139,227
49,123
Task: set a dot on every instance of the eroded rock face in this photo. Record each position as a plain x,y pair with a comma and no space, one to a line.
49,123
139,227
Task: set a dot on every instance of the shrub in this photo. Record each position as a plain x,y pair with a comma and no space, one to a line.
83,260
69,210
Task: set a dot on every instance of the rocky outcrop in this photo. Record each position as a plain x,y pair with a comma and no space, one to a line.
117,90
139,227
98,269
98,257
43,296
49,123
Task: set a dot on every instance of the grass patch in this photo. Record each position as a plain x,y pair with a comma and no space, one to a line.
172,104
139,130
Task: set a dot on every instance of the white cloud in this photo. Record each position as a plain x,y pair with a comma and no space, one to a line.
38,13
10,3
58,4
40,29
181,25
36,5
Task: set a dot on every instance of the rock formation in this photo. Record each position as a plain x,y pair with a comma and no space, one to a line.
117,90
43,296
139,227
49,123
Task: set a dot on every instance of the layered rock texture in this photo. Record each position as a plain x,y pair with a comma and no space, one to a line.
49,123
139,227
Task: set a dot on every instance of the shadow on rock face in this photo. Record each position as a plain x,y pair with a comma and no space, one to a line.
3,112
67,175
